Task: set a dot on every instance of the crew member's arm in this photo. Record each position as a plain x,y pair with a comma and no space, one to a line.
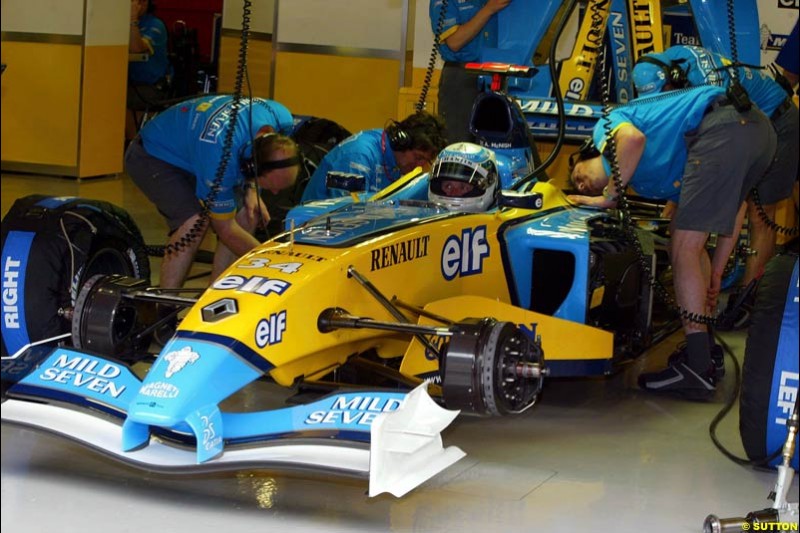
467,31
230,226
605,201
630,146
254,211
723,250
233,236
136,44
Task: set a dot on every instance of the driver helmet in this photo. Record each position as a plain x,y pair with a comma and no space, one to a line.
649,78
464,177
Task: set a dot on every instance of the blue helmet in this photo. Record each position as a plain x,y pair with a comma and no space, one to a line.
464,177
650,75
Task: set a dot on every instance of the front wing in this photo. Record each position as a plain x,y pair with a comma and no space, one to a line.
392,438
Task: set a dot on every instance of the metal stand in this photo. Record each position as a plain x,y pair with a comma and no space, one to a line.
781,512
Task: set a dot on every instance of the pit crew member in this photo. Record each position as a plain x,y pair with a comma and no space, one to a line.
693,147
175,161
698,66
467,26
380,155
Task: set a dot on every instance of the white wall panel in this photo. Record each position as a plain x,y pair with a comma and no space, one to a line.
375,24
261,15
423,36
107,22
61,17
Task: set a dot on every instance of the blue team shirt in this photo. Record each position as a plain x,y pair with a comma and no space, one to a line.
367,153
664,118
156,67
459,12
190,135
705,67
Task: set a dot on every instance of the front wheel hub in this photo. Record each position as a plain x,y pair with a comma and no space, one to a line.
105,321
492,368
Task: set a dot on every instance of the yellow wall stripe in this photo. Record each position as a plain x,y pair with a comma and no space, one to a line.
40,94
259,60
358,93
103,110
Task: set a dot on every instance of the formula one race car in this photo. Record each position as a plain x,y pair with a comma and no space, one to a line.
375,299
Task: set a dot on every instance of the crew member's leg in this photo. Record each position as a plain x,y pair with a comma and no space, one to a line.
775,186
181,250
691,274
728,154
172,190
457,93
762,241
689,372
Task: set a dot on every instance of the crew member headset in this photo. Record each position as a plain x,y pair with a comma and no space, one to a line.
399,139
251,168
673,71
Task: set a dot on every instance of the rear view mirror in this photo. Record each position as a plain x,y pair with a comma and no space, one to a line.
521,200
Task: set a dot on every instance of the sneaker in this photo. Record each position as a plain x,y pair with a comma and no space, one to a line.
738,309
736,320
681,380
681,355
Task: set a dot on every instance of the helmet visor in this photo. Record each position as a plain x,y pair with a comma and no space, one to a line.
452,179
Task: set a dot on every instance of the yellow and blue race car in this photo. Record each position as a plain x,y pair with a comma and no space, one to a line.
396,312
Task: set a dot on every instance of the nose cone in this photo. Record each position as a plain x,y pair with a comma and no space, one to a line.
183,389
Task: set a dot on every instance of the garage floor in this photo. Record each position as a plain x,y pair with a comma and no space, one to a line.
594,455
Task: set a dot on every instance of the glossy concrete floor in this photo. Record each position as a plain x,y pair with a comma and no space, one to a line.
593,455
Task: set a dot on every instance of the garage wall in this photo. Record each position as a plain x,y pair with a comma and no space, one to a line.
63,93
318,65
